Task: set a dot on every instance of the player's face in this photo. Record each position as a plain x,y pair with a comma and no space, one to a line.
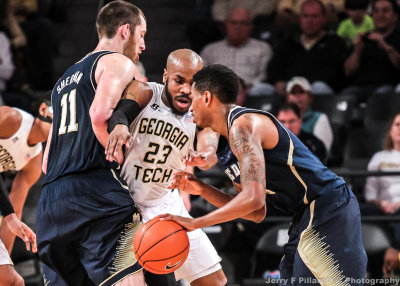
395,130
290,120
178,82
197,108
135,45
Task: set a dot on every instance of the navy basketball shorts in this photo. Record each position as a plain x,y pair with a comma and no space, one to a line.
85,226
325,243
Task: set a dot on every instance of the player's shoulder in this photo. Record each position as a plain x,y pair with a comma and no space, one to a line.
10,119
116,61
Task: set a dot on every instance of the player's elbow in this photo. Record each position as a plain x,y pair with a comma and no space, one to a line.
97,117
256,203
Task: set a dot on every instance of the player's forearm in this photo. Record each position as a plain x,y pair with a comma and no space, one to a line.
245,204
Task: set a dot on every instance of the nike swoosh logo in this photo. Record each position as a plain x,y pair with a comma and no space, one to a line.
168,266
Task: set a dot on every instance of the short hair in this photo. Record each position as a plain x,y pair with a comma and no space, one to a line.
219,80
356,4
319,2
290,106
116,14
393,3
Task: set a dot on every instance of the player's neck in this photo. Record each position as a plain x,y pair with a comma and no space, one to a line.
36,135
112,45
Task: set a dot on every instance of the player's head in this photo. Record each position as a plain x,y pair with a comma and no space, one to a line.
213,85
44,117
392,137
125,23
178,78
290,116
298,91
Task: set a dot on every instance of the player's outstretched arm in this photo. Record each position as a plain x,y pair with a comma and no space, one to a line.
205,155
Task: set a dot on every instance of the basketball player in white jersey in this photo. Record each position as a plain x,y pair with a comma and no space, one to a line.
160,136
21,137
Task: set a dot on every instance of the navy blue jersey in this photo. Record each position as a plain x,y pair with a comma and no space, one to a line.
74,146
292,171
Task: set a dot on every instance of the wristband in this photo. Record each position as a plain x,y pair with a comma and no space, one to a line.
124,113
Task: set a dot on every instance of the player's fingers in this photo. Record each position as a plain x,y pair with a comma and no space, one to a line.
118,147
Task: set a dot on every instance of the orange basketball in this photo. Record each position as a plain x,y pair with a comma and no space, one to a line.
161,246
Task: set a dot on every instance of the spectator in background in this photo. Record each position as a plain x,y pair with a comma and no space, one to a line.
246,56
374,63
290,116
10,25
313,53
41,43
6,63
288,11
222,8
317,123
382,193
358,20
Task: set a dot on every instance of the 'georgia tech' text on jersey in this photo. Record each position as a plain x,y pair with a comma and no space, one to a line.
160,140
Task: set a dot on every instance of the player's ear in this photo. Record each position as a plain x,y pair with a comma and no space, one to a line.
165,76
43,109
125,31
208,97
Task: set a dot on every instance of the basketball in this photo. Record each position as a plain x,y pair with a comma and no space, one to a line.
161,246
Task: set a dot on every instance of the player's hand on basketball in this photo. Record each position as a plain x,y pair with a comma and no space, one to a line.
187,182
119,137
21,230
195,159
187,222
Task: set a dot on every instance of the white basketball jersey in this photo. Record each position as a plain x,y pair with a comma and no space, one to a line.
15,152
160,141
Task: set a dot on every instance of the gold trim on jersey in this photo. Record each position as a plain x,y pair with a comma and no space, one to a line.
124,257
317,257
115,177
290,163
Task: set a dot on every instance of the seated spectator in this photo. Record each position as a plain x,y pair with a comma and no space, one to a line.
317,123
38,30
382,193
288,11
374,63
246,56
290,116
312,53
358,20
222,8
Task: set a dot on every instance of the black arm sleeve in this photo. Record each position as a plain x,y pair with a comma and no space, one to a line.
6,207
125,112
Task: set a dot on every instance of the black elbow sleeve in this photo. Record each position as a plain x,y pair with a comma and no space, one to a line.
124,113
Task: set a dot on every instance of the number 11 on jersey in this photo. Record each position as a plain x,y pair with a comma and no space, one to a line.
73,125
